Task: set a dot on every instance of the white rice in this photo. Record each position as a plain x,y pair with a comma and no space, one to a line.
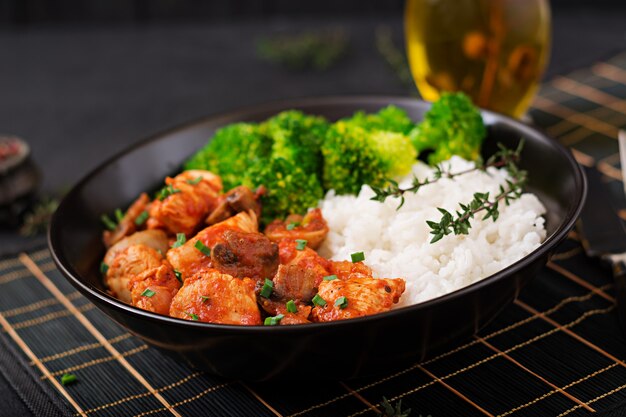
396,242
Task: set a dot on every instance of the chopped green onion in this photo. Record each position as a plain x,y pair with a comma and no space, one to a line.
273,321
292,225
178,275
110,224
119,215
319,301
194,181
103,268
148,293
291,306
180,240
341,302
141,219
357,257
268,287
330,277
67,379
202,248
300,244
166,191
205,299
193,316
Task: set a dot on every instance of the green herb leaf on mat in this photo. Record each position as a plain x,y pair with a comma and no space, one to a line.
67,379
36,221
391,411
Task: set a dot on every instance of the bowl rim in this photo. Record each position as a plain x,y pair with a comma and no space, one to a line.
53,238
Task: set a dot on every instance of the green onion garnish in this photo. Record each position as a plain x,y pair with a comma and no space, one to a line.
357,257
141,219
341,302
202,248
319,301
119,215
110,224
273,321
268,287
67,379
193,316
194,181
148,293
291,306
166,191
330,277
103,268
300,244
178,275
292,225
180,240
205,299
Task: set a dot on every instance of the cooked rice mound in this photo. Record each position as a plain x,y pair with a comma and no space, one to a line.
397,244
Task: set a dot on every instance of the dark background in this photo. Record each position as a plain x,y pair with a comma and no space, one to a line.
24,12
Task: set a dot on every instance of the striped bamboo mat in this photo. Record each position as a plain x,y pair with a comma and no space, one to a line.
556,351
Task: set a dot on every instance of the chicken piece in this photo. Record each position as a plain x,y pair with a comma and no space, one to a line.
306,259
188,259
312,228
154,289
126,264
347,269
187,200
235,201
273,308
293,282
363,297
214,297
127,225
242,254
155,239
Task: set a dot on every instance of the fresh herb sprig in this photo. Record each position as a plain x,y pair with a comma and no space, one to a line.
391,411
460,223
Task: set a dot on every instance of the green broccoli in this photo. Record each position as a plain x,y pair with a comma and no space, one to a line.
452,126
354,156
288,188
390,118
232,150
297,137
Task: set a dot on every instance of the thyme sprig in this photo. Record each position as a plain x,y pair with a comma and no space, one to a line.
459,223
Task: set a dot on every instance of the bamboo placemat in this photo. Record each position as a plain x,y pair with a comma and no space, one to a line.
555,351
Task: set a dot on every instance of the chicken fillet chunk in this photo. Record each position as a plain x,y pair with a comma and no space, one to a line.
154,289
126,265
185,202
214,297
356,297
312,228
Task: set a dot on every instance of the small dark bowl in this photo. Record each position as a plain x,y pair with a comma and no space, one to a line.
337,350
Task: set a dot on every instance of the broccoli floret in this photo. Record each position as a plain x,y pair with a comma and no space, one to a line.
231,151
354,156
452,126
297,137
390,118
289,189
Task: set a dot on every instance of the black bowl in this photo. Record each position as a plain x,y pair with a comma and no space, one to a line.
337,350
